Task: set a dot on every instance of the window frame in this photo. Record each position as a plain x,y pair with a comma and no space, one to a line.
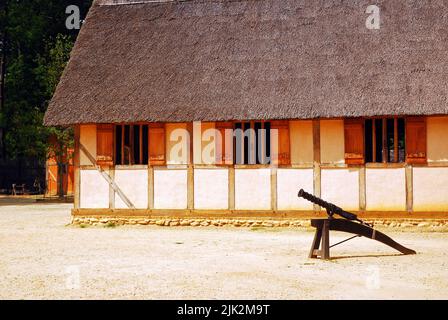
385,149
251,143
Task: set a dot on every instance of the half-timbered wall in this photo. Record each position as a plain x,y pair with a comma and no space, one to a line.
188,181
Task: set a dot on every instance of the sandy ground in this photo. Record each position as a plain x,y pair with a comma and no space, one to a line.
44,258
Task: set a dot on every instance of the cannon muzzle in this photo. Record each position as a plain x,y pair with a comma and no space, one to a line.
331,208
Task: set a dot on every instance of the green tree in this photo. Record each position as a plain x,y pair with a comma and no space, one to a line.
35,47
48,72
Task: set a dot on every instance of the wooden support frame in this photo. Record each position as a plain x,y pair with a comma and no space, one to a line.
231,188
76,162
317,167
409,188
274,189
262,214
150,187
362,189
322,236
316,161
190,169
111,189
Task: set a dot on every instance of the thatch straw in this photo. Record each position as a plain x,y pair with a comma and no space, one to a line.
255,59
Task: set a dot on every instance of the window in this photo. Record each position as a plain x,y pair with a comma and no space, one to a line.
140,144
131,144
157,144
104,144
251,140
416,140
385,140
224,143
262,142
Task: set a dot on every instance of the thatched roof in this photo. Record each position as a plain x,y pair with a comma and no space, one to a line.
214,60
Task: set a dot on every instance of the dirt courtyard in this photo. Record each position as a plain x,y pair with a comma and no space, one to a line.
42,257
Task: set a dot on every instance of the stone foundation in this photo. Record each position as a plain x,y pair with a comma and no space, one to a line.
403,224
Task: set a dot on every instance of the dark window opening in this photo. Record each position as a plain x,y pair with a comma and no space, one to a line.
131,144
252,142
384,140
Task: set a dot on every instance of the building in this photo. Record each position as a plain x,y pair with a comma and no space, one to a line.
360,114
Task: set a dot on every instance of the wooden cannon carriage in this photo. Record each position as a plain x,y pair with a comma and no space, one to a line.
350,224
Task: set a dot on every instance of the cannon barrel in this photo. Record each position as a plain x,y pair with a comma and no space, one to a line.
331,208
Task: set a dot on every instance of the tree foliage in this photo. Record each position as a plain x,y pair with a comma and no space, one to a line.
37,46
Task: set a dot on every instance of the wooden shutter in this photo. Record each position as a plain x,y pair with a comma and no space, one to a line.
105,144
354,141
416,140
280,149
224,143
157,144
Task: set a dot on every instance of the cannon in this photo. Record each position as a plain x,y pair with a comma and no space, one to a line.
350,224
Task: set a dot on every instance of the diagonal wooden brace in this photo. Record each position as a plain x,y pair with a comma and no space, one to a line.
107,177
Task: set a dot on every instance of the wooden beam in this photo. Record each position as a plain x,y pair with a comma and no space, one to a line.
316,161
190,187
150,187
111,189
262,214
274,188
131,144
374,140
76,162
395,139
409,189
231,188
140,141
385,150
362,188
122,144
190,169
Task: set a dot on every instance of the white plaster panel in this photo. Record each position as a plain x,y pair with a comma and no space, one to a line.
253,189
134,184
385,189
341,187
430,187
211,189
289,182
94,190
170,189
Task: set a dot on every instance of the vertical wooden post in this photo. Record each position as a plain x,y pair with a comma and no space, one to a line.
385,149
122,144
111,190
190,187
409,189
273,188
374,140
362,189
131,144
325,249
150,187
190,168
76,162
140,141
316,161
395,139
232,188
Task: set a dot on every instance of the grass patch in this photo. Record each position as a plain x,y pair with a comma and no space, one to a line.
82,225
